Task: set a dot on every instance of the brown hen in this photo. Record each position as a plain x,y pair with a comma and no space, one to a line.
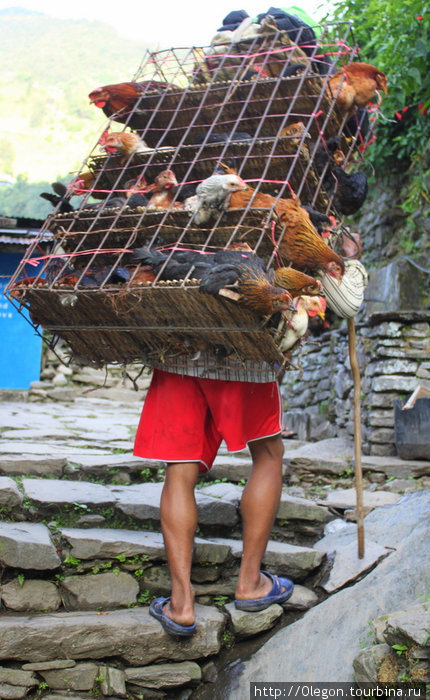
162,189
119,100
122,143
355,85
301,243
296,282
257,293
84,184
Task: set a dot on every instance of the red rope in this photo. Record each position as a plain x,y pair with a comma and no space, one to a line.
275,247
96,251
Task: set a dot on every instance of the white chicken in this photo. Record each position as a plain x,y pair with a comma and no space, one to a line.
294,324
213,195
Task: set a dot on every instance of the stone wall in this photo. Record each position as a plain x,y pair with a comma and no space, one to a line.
394,356
63,380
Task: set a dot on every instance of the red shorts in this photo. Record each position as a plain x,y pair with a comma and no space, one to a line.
185,419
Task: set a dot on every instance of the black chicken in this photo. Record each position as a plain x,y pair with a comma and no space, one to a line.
94,277
177,263
327,152
350,189
59,198
254,286
319,220
226,269
221,137
358,124
180,262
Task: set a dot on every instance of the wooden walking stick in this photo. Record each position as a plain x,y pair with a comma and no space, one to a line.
357,434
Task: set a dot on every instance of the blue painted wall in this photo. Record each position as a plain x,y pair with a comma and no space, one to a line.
20,346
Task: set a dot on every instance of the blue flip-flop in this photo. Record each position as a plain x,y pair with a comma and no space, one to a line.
280,592
169,625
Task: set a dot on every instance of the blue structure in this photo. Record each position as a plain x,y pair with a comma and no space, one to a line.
20,347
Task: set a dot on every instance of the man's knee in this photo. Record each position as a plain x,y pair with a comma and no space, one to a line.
268,448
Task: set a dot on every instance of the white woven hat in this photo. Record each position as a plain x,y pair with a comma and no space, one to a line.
345,296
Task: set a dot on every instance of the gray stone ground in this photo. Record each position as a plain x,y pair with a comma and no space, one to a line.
322,645
75,457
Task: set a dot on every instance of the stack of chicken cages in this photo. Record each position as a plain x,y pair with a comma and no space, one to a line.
122,282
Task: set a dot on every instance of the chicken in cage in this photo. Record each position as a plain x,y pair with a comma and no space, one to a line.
212,202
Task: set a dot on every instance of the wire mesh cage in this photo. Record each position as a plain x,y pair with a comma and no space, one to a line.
261,107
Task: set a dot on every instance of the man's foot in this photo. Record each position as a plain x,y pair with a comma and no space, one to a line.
159,609
274,589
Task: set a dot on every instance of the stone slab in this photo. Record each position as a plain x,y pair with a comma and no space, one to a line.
281,558
412,626
80,677
49,665
10,495
105,543
332,455
347,566
107,590
157,580
113,682
232,493
27,546
294,508
27,449
392,466
347,498
58,492
132,635
342,621
88,463
248,624
30,595
36,465
302,598
398,382
142,501
164,675
14,676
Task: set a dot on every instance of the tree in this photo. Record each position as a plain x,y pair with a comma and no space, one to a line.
394,35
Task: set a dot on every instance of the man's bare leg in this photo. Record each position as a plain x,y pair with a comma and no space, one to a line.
178,524
260,502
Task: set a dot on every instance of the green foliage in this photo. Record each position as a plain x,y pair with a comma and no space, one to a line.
400,649
228,639
43,685
47,68
145,597
73,561
394,36
220,600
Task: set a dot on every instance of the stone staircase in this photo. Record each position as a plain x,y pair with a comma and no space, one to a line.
82,555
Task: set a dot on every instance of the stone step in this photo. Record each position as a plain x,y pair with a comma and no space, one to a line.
334,456
76,461
120,653
102,568
109,543
139,501
280,557
217,503
32,546
131,635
